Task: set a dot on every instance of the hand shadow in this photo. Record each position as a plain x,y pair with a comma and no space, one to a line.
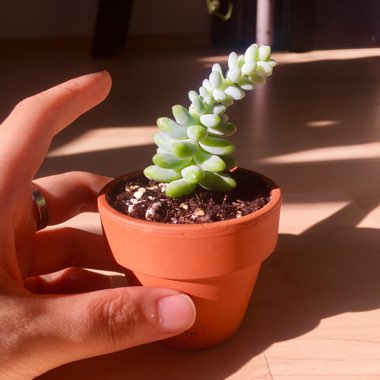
330,269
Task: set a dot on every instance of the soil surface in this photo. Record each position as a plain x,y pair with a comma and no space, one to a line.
144,199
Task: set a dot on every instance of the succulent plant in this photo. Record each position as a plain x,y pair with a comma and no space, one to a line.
193,149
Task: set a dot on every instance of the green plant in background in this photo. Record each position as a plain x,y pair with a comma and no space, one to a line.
193,149
213,8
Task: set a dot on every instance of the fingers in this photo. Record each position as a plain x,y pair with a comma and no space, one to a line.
62,248
70,193
26,134
67,195
68,281
90,324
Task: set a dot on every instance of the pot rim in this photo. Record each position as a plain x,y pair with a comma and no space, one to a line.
158,227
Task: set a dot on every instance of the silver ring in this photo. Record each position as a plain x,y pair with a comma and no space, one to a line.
41,206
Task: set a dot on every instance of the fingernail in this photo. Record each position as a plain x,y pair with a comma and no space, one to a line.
177,313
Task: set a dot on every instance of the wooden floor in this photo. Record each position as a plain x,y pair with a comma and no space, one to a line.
315,129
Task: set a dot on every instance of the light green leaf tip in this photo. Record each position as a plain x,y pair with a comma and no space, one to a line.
193,174
158,174
179,188
218,182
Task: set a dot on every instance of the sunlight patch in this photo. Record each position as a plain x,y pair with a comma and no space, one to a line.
105,139
334,153
322,123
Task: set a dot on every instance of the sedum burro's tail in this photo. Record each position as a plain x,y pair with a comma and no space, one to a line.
193,149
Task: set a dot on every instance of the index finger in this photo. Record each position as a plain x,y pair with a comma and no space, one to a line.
26,134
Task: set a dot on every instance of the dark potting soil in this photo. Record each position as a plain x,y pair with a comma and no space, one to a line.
144,199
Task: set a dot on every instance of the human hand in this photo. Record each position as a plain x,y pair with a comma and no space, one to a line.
49,321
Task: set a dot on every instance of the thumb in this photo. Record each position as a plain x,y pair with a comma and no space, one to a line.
90,324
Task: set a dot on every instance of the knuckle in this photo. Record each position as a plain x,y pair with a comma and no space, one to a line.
118,320
73,173
28,103
81,178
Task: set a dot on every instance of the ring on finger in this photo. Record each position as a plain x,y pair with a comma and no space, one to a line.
42,214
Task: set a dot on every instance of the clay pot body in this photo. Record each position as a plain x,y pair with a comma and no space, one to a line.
215,263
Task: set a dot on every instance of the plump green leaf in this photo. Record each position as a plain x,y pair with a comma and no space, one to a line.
184,148
216,145
246,84
209,162
251,54
183,116
219,95
241,61
203,92
166,124
264,52
234,74
264,68
223,130
208,101
228,101
198,106
158,174
170,161
179,188
216,79
210,120
196,132
165,139
206,83
192,95
235,92
217,67
218,182
232,60
162,140
248,68
219,109
257,79
179,133
224,117
193,174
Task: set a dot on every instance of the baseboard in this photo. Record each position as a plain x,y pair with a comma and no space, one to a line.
134,43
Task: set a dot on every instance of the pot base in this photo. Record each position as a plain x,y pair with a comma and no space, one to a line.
221,303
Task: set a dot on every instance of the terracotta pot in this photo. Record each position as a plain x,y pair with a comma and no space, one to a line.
215,263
